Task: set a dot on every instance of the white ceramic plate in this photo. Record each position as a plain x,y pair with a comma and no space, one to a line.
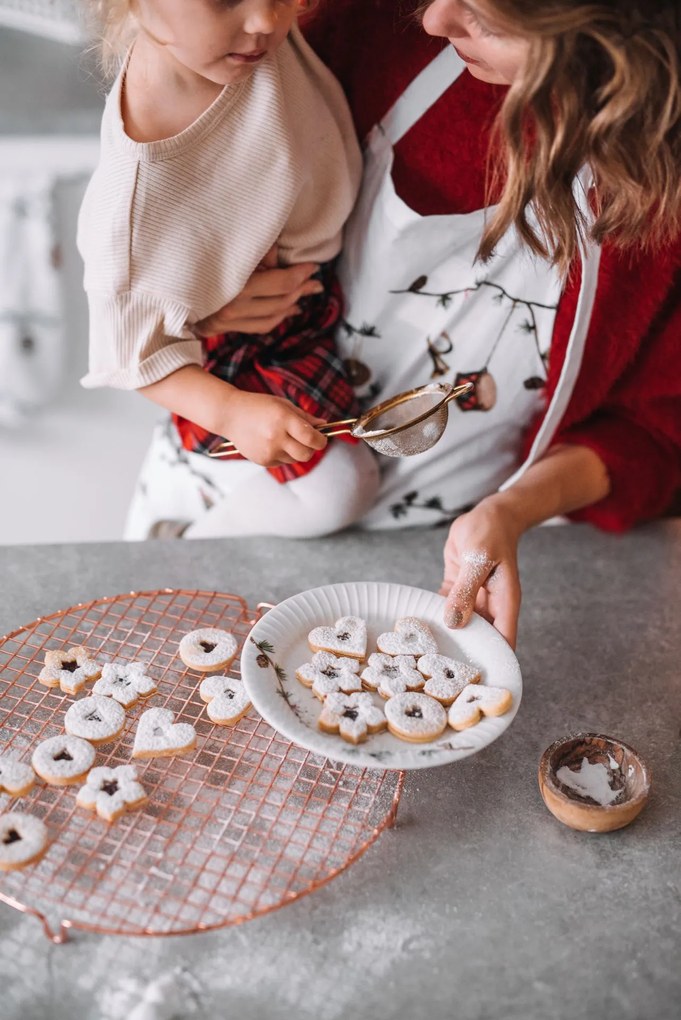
277,646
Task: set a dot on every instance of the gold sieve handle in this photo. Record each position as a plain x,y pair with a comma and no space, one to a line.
330,428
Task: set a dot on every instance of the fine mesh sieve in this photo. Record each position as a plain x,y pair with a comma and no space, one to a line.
407,424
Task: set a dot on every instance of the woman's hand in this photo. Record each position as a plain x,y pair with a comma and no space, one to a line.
481,568
270,296
270,430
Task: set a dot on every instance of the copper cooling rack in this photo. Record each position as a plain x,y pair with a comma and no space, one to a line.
241,825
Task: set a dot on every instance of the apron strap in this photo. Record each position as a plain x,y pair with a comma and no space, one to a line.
422,93
591,258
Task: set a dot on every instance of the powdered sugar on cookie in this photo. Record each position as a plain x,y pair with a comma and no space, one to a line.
16,777
96,719
354,716
208,648
347,637
409,637
226,698
111,791
478,700
158,735
70,670
415,717
125,682
63,760
447,677
23,840
327,674
391,674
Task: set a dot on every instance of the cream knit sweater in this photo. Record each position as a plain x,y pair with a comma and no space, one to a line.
171,230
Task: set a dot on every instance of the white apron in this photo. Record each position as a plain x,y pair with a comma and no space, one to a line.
418,307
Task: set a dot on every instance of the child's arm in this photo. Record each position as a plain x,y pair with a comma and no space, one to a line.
481,552
265,429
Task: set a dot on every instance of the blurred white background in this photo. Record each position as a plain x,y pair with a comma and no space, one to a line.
68,457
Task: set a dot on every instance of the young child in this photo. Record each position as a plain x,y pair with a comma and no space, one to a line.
223,136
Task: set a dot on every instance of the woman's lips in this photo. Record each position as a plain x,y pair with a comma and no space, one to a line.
467,60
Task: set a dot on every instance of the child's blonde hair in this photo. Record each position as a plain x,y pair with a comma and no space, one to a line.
113,25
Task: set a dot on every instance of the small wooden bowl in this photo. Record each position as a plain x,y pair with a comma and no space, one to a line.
627,772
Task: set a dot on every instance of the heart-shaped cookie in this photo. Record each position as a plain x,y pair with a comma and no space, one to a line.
158,735
409,637
348,636
475,701
226,697
446,677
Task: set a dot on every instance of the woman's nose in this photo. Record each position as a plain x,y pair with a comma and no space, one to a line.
441,19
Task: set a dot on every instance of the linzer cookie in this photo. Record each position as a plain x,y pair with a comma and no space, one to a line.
409,637
63,760
23,840
478,700
159,736
354,716
226,698
16,777
70,670
111,791
347,637
391,674
208,649
125,682
96,719
447,677
415,717
327,674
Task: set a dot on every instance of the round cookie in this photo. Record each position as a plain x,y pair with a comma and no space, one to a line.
410,636
354,716
207,649
475,701
70,669
16,777
63,760
347,637
391,674
111,791
415,717
159,736
447,677
126,682
226,698
23,839
97,719
327,674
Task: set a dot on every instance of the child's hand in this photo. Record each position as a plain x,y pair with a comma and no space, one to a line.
270,431
481,569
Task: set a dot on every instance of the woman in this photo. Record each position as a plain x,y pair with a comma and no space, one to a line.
569,329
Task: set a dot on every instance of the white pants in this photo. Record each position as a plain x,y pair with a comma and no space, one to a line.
195,496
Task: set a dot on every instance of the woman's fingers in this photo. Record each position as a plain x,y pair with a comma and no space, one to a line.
464,590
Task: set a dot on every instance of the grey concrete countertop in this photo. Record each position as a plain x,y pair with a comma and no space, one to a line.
478,905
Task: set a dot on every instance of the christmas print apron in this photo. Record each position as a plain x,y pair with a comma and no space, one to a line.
419,308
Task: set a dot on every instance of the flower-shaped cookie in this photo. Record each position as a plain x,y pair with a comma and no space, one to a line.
348,636
125,682
16,778
111,791
478,700
158,735
446,677
70,670
391,674
226,697
410,637
327,675
23,839
352,715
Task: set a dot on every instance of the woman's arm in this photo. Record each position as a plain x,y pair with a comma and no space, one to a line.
267,430
481,552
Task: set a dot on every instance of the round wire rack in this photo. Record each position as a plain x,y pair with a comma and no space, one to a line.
237,827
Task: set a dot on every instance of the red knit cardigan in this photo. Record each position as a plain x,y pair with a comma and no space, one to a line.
626,403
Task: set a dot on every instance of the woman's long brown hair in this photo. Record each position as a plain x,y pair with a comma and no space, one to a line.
601,90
